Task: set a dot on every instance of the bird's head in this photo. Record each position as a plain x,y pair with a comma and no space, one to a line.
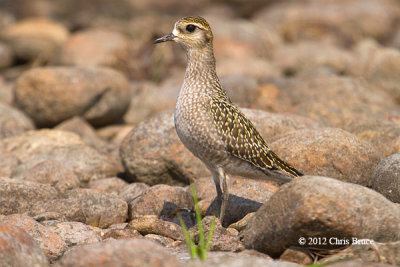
191,32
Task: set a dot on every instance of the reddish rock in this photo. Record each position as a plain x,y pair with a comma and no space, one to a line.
50,242
119,253
53,94
17,248
132,191
329,152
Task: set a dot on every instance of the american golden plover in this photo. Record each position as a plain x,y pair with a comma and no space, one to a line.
210,125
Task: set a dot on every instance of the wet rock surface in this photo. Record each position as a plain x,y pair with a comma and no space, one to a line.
92,172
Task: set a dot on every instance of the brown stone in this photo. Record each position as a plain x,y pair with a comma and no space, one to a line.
329,152
386,178
19,196
51,95
152,225
8,163
119,253
18,248
109,185
13,121
314,206
50,242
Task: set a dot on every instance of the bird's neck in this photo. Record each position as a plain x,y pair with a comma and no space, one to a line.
201,75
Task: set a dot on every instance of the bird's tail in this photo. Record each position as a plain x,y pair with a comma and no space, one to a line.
280,164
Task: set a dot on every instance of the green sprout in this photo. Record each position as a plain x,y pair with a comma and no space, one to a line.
200,250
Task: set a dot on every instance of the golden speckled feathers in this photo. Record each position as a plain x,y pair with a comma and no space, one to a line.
196,20
242,140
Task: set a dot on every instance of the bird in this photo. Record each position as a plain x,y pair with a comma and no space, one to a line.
210,125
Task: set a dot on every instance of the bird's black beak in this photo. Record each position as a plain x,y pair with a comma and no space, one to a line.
168,37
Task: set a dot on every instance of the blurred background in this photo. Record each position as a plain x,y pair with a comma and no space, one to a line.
271,55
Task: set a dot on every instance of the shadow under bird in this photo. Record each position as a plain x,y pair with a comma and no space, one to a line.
210,125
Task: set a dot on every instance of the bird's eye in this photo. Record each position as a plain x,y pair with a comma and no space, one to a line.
190,28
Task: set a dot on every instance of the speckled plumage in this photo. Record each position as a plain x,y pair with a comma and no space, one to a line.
210,125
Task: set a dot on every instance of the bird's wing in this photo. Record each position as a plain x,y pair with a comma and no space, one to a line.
242,139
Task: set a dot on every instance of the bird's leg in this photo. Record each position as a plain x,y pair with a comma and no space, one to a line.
225,193
216,179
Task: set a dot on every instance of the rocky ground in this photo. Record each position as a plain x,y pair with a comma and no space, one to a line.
92,172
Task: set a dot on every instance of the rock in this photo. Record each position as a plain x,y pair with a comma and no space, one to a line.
17,248
340,22
33,143
161,201
98,47
222,239
165,241
241,259
13,122
297,255
385,135
36,38
242,223
313,206
308,57
86,205
132,191
124,233
51,243
379,66
109,185
85,131
48,172
341,100
245,196
114,133
149,99
358,263
53,94
19,196
118,253
383,253
8,163
73,233
6,56
152,225
85,162
329,152
386,178
164,159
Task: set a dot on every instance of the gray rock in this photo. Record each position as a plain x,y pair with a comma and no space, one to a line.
313,206
17,248
53,94
119,253
386,178
19,196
